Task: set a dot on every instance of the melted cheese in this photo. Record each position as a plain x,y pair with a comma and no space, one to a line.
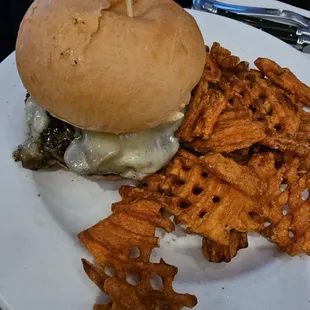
37,120
133,155
36,117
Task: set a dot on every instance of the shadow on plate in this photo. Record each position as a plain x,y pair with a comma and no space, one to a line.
77,203
102,299
184,251
74,202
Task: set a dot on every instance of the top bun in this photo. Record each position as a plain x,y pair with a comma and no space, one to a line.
89,64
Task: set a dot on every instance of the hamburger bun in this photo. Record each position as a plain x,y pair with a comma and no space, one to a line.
87,63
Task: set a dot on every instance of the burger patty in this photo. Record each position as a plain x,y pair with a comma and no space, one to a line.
56,138
47,150
51,142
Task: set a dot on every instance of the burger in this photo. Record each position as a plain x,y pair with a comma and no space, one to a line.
107,89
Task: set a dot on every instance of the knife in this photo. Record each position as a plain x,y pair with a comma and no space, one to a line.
266,13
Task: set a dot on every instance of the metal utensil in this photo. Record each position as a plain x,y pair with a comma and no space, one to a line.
287,33
265,24
269,13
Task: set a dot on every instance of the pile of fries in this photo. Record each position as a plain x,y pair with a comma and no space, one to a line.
246,166
243,167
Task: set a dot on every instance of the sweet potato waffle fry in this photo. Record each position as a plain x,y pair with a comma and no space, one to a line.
213,251
215,103
230,135
206,203
212,72
285,207
224,58
285,79
241,177
111,242
217,253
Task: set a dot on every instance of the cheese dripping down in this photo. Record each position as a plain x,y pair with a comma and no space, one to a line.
131,155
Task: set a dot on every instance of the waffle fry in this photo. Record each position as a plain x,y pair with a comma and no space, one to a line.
276,109
285,211
245,90
212,72
195,109
205,130
202,115
214,104
224,57
290,123
285,79
206,204
217,253
268,103
230,135
288,143
132,226
241,177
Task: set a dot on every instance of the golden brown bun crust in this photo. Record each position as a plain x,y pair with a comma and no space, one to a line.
88,63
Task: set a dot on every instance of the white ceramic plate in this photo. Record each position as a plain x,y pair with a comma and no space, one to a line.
41,213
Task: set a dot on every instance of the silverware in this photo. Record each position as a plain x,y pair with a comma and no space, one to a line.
303,40
293,35
268,13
